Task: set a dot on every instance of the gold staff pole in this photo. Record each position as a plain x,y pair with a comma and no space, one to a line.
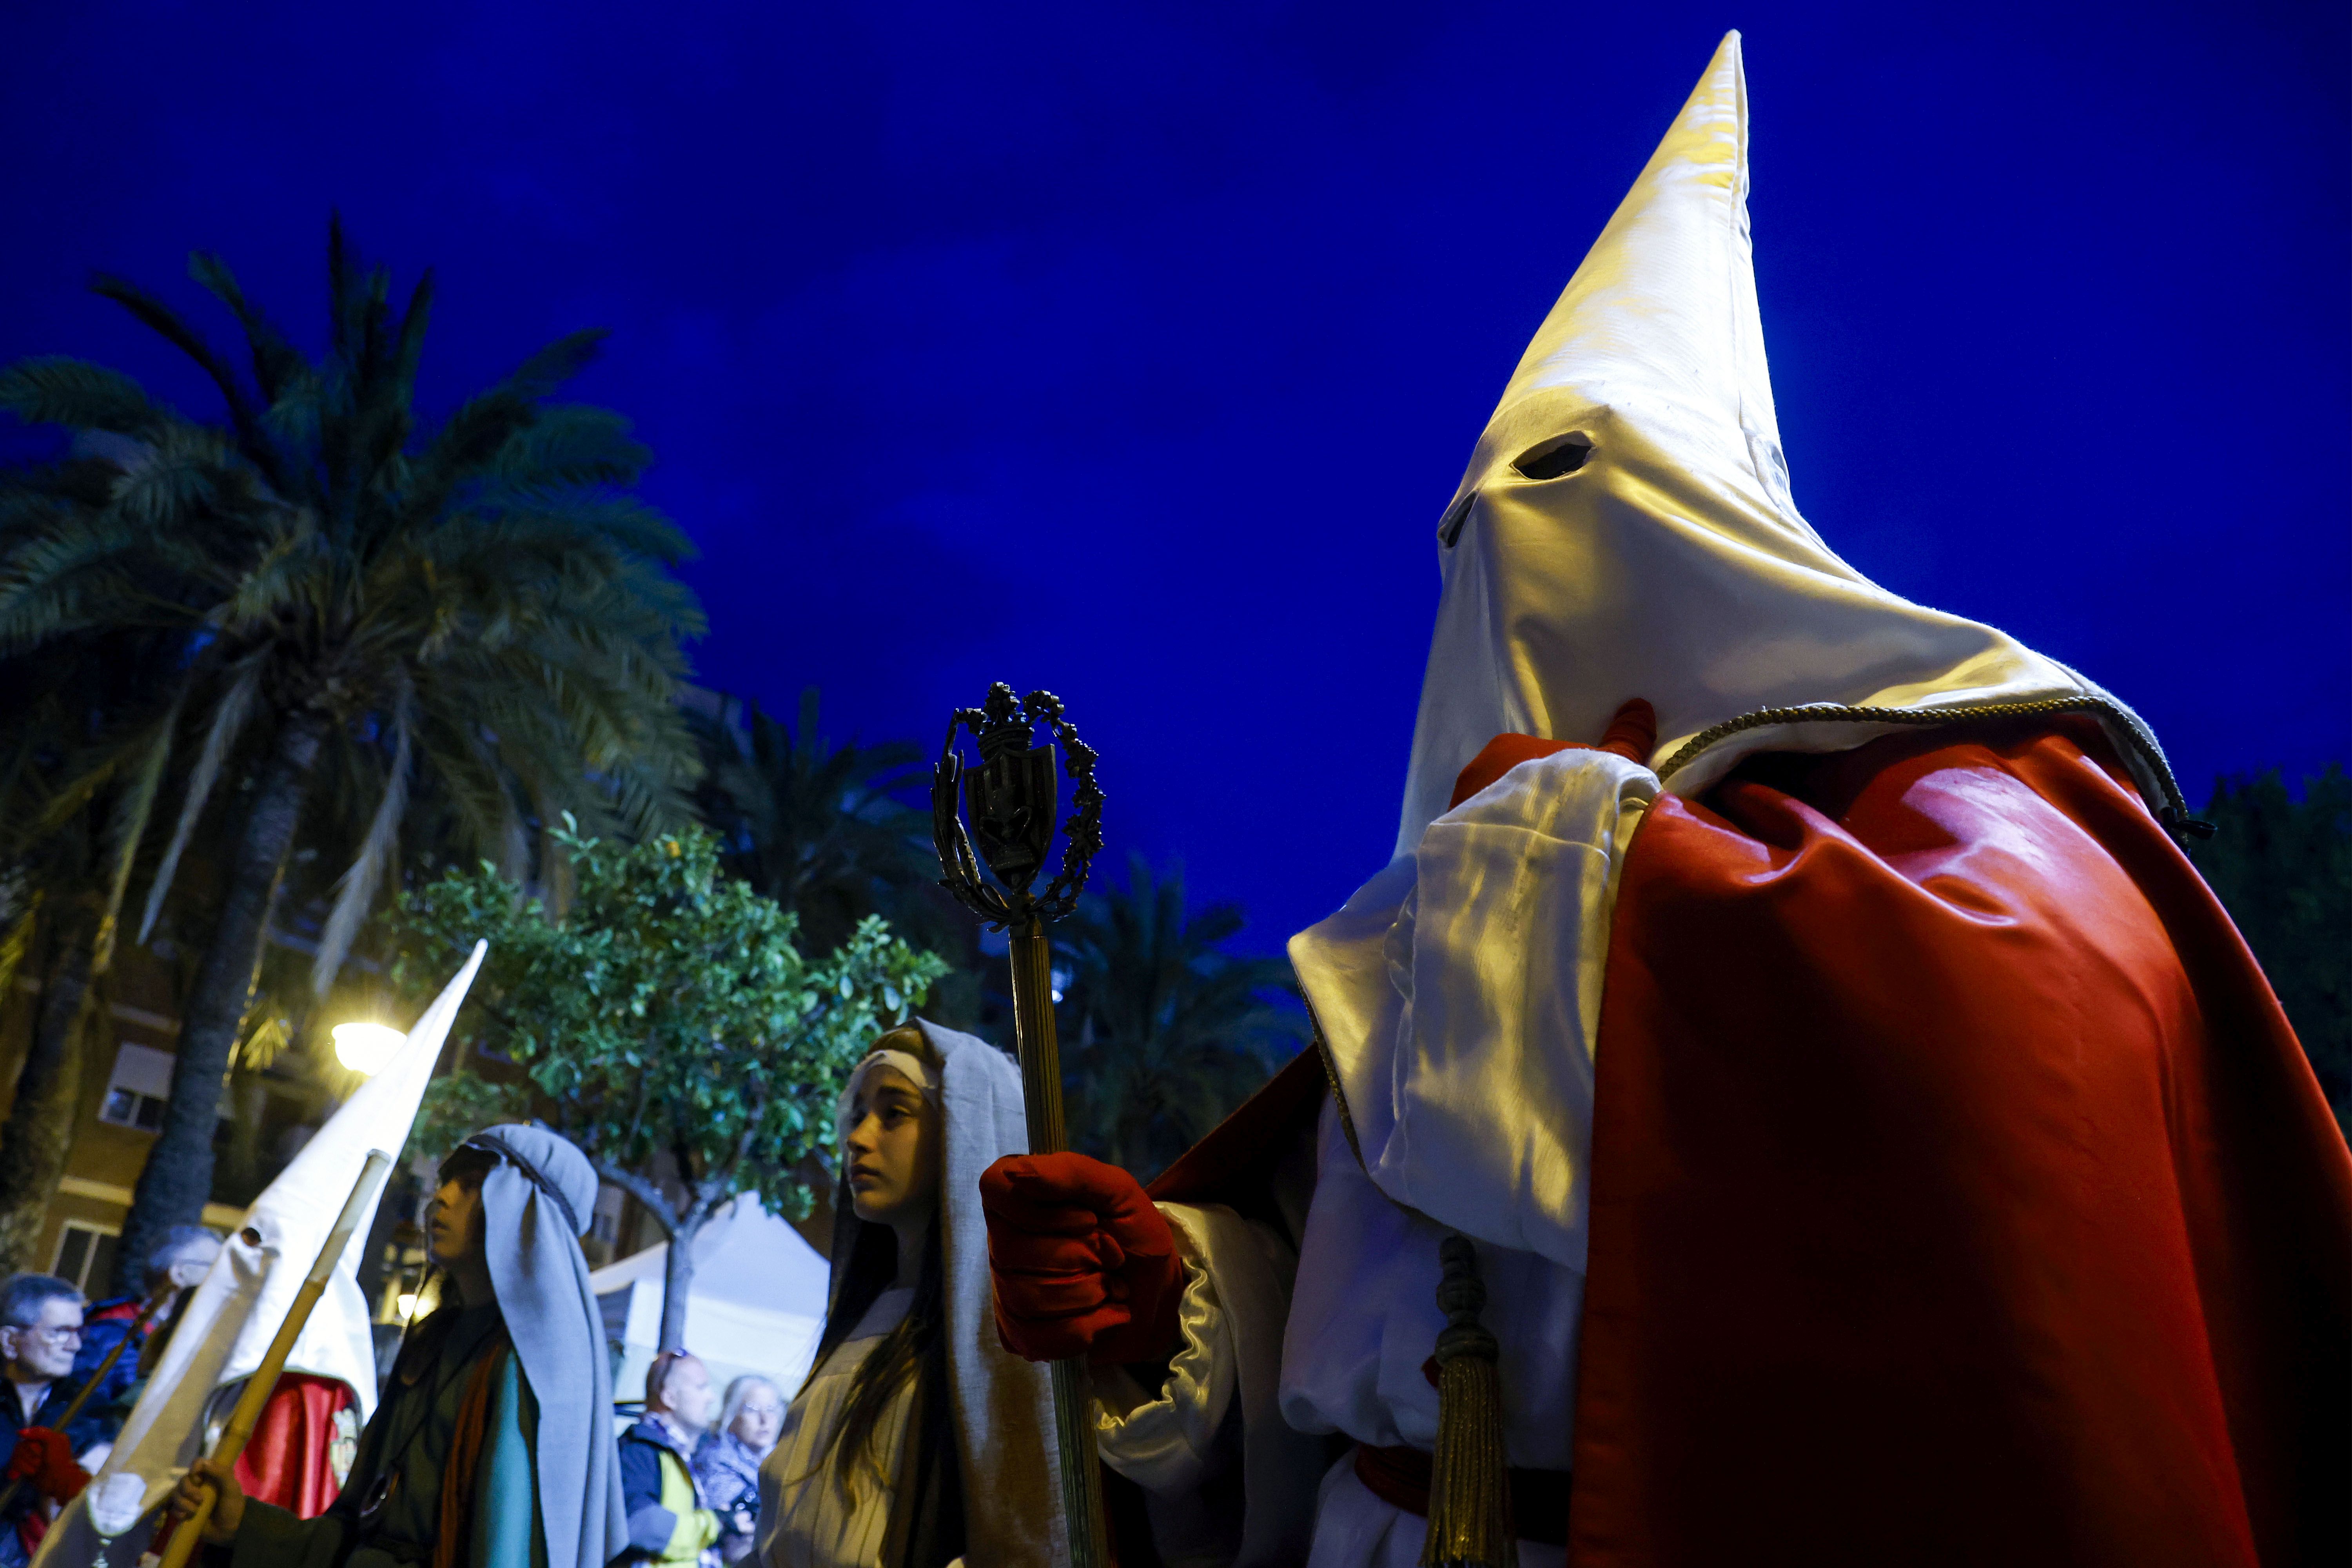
264,1381
1014,805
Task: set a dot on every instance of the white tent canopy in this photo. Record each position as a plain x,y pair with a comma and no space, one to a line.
757,1303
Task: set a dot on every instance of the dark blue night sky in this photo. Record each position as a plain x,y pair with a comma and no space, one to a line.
1131,351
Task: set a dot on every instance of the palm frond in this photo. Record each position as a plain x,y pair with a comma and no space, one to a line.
558,362
166,322
355,894
276,361
54,389
230,716
126,827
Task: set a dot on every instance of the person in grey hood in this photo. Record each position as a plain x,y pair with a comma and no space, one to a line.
918,1438
492,1447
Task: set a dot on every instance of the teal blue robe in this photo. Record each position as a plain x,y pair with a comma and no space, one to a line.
388,1515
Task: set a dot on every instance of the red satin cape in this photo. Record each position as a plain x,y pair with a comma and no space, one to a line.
1959,1194
286,1462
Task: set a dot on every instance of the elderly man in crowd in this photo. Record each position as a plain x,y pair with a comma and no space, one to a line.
40,1330
670,1518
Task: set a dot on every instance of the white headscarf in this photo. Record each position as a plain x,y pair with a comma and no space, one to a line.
1672,564
905,1064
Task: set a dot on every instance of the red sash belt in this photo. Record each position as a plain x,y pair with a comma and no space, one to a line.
1401,1476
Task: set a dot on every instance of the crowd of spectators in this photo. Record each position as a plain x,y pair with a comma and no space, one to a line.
692,1486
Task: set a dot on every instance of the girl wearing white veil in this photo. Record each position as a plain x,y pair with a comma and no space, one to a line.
917,1440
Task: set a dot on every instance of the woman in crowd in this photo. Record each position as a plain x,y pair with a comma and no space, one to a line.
727,1462
918,1438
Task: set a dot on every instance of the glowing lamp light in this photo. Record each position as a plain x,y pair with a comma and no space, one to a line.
407,1305
366,1048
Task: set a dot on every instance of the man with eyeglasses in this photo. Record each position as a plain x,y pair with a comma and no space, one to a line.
40,1330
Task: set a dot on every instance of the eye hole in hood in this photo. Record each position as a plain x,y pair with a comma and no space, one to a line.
1549,460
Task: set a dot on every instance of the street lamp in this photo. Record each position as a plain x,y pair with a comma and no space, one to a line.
366,1048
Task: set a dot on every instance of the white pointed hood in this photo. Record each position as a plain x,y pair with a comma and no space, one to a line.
237,1311
1672,563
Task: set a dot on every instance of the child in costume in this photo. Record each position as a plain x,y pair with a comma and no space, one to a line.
493,1445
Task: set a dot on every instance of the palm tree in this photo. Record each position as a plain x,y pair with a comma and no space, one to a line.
81,771
815,825
360,603
1163,1033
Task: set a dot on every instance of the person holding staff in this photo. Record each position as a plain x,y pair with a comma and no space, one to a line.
918,1438
492,1447
40,1330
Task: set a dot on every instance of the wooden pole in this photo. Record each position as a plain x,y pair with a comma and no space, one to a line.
90,1384
264,1381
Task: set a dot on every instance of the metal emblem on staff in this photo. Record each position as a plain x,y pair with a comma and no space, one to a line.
1013,798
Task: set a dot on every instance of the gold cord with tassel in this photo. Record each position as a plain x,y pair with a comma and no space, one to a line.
1469,1483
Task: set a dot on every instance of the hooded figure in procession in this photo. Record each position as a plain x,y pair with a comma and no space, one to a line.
916,1438
493,1445
1850,1130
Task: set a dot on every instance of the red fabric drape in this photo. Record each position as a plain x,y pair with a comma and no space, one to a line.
1960,1194
286,1462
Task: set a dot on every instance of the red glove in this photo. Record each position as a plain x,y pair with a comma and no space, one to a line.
44,1457
1632,735
1084,1264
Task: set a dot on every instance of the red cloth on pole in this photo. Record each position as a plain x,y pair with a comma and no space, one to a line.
287,1461
1959,1192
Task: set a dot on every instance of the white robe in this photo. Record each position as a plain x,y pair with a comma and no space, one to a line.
804,1519
1461,995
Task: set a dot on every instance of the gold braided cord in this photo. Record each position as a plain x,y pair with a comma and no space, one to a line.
2126,721
1469,1475
1331,1077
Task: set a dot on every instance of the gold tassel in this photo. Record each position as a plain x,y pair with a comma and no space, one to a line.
1469,1482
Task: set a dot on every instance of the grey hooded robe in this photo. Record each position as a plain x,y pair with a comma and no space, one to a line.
980,1478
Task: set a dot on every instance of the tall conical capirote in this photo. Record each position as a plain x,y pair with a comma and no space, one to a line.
1625,527
235,1312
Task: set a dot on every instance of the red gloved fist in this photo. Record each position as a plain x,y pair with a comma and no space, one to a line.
1084,1264
44,1457
1632,735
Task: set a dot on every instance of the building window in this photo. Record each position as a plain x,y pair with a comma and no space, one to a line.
136,1094
85,1256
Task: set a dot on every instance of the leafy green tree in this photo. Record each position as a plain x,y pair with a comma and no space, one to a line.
2282,868
1162,1031
670,1014
367,607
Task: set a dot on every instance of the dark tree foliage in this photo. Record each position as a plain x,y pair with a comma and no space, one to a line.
830,831
2282,868
820,827
1162,1031
367,605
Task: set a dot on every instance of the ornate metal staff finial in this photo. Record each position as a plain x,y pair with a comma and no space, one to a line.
1013,799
